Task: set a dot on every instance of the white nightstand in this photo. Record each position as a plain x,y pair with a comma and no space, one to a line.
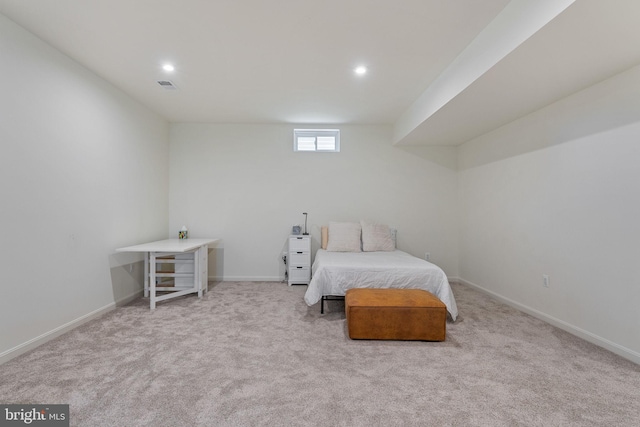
299,260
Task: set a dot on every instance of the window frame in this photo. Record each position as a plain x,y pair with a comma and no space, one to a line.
316,133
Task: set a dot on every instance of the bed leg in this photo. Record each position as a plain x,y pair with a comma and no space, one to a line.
322,305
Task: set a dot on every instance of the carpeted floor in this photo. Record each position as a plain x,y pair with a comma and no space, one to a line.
252,353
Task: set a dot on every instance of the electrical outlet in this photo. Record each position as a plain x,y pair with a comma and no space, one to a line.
427,256
545,280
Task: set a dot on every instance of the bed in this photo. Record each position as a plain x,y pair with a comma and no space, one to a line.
335,271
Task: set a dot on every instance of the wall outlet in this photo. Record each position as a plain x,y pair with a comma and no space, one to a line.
545,280
427,256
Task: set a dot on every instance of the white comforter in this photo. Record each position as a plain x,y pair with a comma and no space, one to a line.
335,272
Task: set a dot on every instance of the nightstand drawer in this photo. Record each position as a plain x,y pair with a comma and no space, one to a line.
300,259
299,244
299,275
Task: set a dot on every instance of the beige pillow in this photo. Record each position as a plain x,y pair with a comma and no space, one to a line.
376,237
344,237
324,234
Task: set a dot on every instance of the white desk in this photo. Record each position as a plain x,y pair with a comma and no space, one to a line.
196,251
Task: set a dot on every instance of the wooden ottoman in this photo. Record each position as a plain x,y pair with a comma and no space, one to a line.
395,314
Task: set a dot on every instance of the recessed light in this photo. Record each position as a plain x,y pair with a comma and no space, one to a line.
168,68
360,70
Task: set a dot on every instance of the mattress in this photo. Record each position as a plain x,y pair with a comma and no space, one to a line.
335,272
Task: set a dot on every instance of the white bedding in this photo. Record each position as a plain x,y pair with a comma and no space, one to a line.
335,272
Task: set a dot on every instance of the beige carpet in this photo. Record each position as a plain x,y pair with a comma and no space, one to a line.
254,354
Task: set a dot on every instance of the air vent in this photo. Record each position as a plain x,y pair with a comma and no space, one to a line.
167,84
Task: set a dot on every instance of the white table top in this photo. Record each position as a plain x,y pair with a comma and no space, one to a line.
169,245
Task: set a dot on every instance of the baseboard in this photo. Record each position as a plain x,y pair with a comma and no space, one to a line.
48,336
126,300
249,279
574,330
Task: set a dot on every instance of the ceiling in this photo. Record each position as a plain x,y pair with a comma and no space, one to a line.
292,61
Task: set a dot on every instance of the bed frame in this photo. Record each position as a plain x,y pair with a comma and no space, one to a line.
329,298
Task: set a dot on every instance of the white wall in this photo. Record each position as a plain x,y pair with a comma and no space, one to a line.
83,170
246,185
558,193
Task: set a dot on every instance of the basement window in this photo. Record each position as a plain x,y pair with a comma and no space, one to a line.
327,140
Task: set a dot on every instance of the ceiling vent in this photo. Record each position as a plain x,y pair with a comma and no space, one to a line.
167,84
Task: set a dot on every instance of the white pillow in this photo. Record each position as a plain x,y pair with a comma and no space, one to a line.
376,237
344,237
